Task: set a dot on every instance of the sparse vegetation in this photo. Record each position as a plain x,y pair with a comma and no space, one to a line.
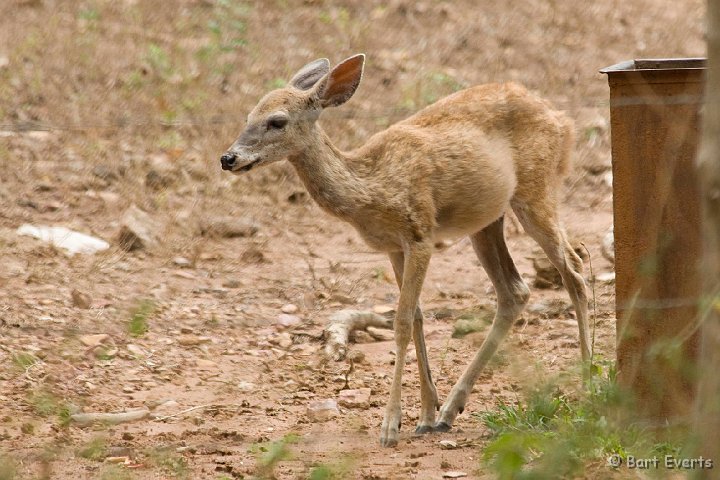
551,434
138,323
96,95
95,449
168,461
269,454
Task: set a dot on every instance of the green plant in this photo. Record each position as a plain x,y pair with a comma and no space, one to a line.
167,460
138,323
44,402
556,435
227,29
24,360
269,454
337,470
159,60
115,472
95,449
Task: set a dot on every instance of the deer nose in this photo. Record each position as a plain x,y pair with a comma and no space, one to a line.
227,161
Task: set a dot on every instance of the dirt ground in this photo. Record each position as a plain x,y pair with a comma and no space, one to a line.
108,104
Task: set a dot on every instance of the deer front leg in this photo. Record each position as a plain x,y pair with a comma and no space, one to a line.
416,260
428,393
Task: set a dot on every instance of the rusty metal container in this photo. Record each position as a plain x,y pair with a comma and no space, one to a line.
655,130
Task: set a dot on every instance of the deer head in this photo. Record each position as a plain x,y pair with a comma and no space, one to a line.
282,123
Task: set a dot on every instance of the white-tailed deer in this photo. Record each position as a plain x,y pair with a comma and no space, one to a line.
452,169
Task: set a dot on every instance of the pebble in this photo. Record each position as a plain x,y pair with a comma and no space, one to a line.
383,309
322,410
182,262
605,277
454,474
448,444
192,340
359,398
136,350
289,308
137,230
81,300
231,284
284,320
94,340
204,364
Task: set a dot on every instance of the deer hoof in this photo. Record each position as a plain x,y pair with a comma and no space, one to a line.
441,427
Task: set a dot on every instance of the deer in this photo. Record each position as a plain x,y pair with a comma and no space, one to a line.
453,169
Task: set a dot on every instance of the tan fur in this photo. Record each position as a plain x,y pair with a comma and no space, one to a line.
451,169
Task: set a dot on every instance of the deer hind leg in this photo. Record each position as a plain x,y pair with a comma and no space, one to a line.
428,393
539,219
512,296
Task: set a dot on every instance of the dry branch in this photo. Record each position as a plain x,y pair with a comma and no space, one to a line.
342,324
84,419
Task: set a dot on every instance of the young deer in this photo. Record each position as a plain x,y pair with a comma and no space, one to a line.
451,169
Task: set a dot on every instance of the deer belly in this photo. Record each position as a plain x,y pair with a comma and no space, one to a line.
475,212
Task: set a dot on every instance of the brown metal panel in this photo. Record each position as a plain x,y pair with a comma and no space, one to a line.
654,115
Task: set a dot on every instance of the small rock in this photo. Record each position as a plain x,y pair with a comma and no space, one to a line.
128,389
4,62
340,298
94,340
605,277
546,275
231,284
244,386
448,444
284,320
61,237
384,309
552,308
356,356
289,308
105,173
192,340
81,300
182,262
359,398
165,407
467,324
253,255
137,230
285,340
136,350
204,364
155,180
454,474
322,410
229,227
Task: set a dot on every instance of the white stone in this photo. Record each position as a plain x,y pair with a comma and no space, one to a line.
61,237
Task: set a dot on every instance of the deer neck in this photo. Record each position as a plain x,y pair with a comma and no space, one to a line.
329,177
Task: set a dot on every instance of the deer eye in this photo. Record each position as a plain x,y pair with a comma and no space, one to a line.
277,123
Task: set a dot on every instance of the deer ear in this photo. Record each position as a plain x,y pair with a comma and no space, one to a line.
309,75
340,84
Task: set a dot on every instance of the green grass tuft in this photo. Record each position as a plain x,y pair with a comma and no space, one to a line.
138,323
